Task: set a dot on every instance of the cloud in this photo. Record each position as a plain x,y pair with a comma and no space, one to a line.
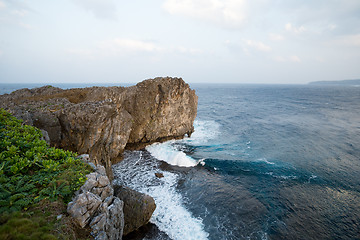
276,37
20,12
349,40
227,13
2,5
260,46
81,52
25,25
103,9
297,30
122,45
292,58
16,13
192,51
128,47
332,27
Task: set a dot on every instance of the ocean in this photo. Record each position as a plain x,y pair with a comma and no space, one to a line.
264,162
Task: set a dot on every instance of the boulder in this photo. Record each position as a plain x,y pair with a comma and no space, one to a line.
138,207
159,175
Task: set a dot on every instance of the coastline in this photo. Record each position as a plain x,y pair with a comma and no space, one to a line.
72,119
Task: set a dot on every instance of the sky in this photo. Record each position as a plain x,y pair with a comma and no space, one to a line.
202,41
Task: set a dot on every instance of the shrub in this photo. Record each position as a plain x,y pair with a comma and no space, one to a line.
31,171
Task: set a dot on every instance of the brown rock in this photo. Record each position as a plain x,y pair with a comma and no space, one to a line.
103,121
83,207
96,206
159,175
138,207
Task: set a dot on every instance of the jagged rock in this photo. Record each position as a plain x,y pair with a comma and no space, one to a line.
115,220
86,159
98,183
138,207
161,108
103,121
83,207
95,205
109,222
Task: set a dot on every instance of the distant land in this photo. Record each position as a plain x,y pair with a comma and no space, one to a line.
339,82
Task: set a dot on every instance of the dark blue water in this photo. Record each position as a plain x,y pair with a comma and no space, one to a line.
265,162
287,162
275,162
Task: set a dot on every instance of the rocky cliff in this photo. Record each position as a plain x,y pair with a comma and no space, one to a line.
103,121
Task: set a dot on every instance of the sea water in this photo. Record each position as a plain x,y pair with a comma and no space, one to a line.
264,162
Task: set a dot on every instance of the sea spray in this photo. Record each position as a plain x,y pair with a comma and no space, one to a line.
171,152
167,152
137,171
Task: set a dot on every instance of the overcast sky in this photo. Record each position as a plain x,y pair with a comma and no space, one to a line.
237,41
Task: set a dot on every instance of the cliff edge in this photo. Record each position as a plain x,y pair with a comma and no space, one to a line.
103,121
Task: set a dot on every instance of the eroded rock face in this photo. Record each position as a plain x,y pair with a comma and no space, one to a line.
95,205
103,121
83,207
161,108
138,207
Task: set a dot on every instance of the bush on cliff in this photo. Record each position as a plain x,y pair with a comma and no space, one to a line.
31,172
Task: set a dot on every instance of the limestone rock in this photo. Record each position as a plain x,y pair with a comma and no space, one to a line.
99,184
95,205
83,207
161,108
109,223
138,207
115,221
103,121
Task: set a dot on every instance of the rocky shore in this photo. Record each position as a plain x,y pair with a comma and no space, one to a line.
102,122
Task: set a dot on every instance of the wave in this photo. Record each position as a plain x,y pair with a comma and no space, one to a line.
172,151
167,152
204,131
265,161
137,171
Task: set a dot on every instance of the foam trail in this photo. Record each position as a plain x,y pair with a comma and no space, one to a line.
170,216
265,161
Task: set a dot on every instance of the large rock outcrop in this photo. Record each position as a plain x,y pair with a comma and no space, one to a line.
103,121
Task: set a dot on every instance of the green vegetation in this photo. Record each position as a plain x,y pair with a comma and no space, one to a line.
23,226
31,174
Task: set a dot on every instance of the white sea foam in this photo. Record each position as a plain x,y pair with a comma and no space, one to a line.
167,152
204,131
265,161
312,177
170,215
